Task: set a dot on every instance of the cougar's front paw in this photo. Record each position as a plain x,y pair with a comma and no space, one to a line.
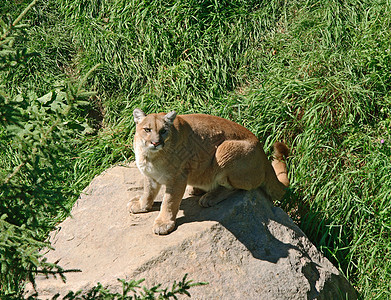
135,207
161,227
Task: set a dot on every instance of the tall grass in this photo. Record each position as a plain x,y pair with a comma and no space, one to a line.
314,74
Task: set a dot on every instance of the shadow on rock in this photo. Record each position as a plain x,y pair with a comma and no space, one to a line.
252,219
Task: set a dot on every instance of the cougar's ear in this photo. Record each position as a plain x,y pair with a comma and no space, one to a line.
138,115
170,117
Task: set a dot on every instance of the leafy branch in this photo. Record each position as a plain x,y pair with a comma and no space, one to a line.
37,135
132,290
73,97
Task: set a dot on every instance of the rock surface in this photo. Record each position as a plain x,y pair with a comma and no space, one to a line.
244,247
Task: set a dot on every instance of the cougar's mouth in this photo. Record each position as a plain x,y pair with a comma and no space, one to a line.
154,146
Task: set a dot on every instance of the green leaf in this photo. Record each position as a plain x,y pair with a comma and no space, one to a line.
49,97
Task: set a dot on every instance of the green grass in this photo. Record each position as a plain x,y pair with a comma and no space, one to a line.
315,74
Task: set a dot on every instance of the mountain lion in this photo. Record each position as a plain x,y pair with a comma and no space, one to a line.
209,153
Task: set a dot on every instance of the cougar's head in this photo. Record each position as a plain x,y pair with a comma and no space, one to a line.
153,130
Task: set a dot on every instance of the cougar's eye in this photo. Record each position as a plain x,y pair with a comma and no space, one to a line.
147,130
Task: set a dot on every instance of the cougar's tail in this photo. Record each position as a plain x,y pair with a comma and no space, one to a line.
281,152
276,181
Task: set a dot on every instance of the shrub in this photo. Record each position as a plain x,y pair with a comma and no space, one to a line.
37,135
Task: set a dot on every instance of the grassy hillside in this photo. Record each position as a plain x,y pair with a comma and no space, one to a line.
314,74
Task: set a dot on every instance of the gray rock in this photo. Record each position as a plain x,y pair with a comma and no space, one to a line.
244,247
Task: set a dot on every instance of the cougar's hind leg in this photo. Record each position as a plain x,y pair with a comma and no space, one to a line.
194,191
237,165
240,164
215,196
244,165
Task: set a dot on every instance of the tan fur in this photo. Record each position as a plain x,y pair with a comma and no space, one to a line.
210,153
281,152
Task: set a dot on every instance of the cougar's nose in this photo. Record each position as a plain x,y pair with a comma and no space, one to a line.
155,143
